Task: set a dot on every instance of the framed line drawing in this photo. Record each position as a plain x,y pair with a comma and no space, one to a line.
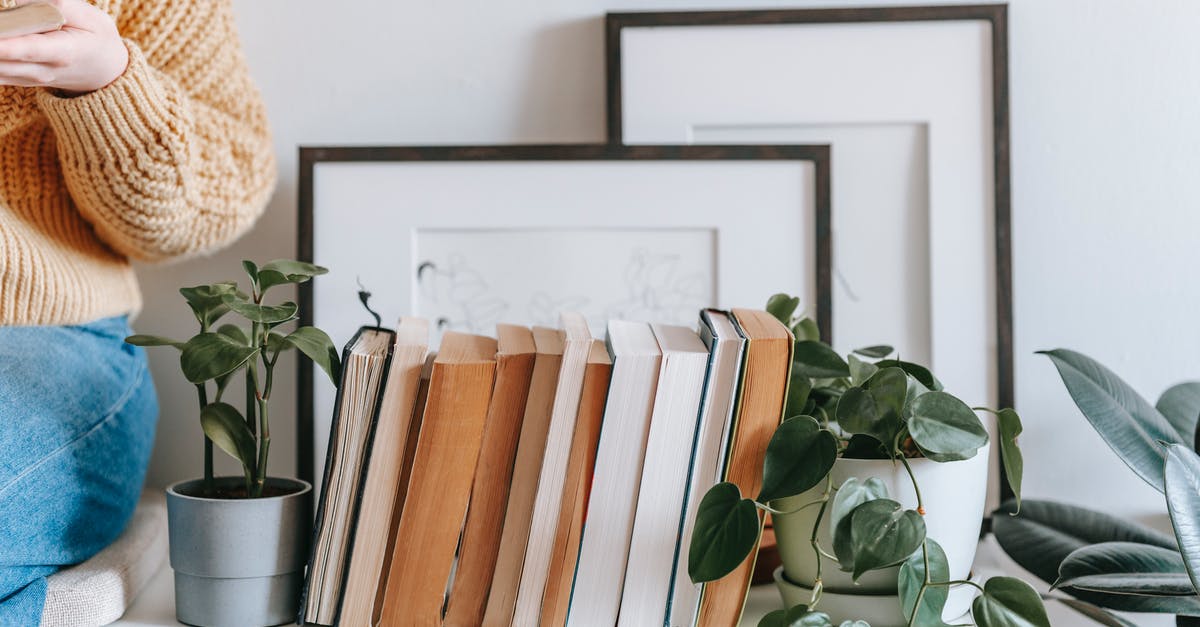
920,133
471,236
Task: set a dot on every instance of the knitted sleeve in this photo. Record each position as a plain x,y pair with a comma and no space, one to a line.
174,158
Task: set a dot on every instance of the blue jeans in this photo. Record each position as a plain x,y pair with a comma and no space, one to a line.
77,415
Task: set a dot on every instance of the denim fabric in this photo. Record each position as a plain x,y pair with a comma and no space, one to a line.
77,416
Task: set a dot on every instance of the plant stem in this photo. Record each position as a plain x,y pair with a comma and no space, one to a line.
264,441
202,392
816,546
916,488
779,512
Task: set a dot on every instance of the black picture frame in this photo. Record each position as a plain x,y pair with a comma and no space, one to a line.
310,156
994,14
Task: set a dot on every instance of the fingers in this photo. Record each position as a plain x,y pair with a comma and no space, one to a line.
49,49
80,14
25,74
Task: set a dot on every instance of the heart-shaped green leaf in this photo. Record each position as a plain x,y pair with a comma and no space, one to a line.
211,355
940,423
1009,602
860,371
727,528
817,360
912,577
863,446
875,352
875,408
806,329
1180,405
782,307
799,455
799,387
1009,424
793,617
317,346
286,271
1125,568
883,533
1045,533
1131,426
153,340
851,494
264,314
918,372
227,429
1182,477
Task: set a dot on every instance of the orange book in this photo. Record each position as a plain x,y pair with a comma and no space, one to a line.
760,410
443,470
502,598
576,489
489,496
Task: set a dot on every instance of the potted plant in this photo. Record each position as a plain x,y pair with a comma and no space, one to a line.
876,483
239,544
1108,563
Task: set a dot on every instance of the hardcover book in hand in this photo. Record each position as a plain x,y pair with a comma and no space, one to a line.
30,19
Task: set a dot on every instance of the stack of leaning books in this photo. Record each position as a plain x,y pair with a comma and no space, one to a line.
541,477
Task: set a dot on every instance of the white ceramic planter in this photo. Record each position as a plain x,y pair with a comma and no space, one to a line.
878,610
954,495
238,562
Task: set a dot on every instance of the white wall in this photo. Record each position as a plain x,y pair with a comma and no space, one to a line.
1104,145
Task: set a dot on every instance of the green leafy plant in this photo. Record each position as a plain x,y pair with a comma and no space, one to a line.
870,405
1100,560
210,359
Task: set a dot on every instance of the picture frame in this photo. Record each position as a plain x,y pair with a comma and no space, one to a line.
921,139
387,218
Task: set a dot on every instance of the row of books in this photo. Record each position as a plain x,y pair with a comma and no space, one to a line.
542,477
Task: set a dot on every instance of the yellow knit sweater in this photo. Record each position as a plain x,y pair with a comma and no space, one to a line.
172,159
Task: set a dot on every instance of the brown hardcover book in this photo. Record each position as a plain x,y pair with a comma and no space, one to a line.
30,19
577,487
410,451
502,597
383,476
764,392
489,496
460,390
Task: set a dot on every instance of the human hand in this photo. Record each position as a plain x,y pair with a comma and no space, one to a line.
85,55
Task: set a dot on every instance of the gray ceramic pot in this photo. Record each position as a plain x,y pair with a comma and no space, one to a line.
238,562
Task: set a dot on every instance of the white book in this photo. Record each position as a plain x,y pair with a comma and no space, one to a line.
604,548
577,343
727,346
664,481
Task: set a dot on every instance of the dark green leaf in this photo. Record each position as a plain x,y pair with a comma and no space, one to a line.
1132,427
874,409
251,271
817,360
206,301
270,278
851,494
919,372
940,423
235,333
1182,477
1009,602
727,528
799,455
317,346
227,429
276,343
883,533
806,329
153,340
1180,405
912,577
1095,613
782,307
264,314
1046,533
875,352
799,388
860,371
1009,424
863,446
210,355
285,271
1126,568
797,616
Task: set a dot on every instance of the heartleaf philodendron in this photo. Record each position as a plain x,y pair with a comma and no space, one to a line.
799,456
912,578
727,528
